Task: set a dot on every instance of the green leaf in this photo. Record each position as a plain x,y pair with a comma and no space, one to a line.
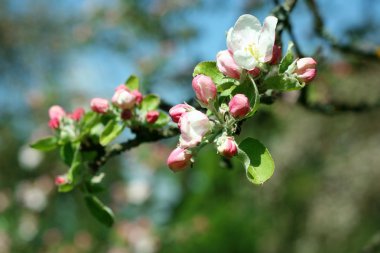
257,160
110,132
45,144
89,120
101,212
67,153
287,60
227,92
75,172
210,69
150,102
132,82
283,82
95,184
66,187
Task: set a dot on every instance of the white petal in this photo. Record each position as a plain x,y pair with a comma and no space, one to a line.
246,31
266,39
245,60
229,39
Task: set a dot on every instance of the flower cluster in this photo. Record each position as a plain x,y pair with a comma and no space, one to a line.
227,90
100,125
197,128
230,89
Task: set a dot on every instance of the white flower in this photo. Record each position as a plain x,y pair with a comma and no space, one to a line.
250,42
193,125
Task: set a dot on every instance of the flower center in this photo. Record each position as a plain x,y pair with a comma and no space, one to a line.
253,50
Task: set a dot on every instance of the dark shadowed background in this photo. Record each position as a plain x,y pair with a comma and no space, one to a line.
323,197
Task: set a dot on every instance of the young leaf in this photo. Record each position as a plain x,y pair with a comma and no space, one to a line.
208,68
110,132
261,165
89,120
45,144
287,60
67,153
101,212
132,82
283,82
74,173
150,102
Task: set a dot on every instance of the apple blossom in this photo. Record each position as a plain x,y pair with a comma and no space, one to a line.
204,89
179,159
176,111
77,114
227,65
239,106
306,69
193,126
56,112
99,105
138,95
123,99
54,123
152,116
226,146
121,87
60,180
251,43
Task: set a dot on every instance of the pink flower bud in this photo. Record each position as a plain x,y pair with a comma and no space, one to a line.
226,64
121,87
56,112
227,146
60,180
176,111
123,99
276,55
54,123
204,88
239,106
152,116
179,159
77,114
138,95
99,105
306,69
126,114
255,72
193,126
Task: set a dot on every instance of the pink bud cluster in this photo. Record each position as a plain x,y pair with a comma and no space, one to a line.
125,100
57,113
194,125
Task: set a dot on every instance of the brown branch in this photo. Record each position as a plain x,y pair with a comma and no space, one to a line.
143,135
282,12
323,33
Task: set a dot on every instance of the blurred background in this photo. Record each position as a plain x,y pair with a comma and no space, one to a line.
323,197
